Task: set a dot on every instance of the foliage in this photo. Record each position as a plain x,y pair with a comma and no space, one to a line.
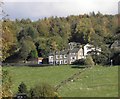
6,84
33,54
98,81
89,61
116,57
42,90
101,59
8,38
22,88
27,48
53,33
79,62
32,75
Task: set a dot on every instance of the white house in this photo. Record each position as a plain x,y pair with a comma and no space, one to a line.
88,48
66,56
74,52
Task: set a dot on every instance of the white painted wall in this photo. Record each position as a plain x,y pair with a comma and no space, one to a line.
50,59
88,48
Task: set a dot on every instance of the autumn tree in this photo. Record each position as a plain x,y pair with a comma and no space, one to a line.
6,84
8,38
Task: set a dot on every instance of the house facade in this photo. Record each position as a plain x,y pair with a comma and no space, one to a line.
88,49
74,52
65,56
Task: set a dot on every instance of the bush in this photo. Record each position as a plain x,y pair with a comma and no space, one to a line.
89,60
79,62
102,59
6,84
116,58
41,91
22,88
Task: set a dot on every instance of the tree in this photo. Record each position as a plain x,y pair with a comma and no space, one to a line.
33,54
27,47
43,90
32,32
43,28
22,88
97,43
8,39
96,28
89,61
6,84
43,47
82,31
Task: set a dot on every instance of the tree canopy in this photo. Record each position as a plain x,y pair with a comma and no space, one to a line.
32,39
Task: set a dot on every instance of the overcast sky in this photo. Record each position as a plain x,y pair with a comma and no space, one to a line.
35,9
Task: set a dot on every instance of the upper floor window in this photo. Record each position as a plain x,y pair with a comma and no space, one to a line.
65,56
51,57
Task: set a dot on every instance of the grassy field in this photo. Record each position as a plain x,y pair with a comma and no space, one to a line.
95,82
33,75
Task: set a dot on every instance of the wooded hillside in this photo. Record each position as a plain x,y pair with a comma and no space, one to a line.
24,39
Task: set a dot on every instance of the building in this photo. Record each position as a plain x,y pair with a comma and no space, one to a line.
74,52
40,60
66,56
88,49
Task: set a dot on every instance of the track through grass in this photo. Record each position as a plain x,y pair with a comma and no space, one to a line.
98,81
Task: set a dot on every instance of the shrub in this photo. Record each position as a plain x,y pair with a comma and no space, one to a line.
89,61
6,84
101,59
42,90
22,88
79,62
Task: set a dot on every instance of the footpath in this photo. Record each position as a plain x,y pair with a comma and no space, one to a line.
73,78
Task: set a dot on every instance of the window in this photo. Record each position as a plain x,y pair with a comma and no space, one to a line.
65,56
65,61
57,62
51,57
61,61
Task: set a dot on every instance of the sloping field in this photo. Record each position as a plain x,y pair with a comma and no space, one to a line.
33,75
97,81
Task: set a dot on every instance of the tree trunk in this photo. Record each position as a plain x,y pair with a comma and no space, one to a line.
54,58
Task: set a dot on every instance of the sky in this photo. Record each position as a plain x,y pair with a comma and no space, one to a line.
36,9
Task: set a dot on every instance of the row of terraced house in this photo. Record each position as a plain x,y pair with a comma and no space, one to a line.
74,52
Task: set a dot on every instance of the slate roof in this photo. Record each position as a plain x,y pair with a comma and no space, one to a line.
63,52
75,50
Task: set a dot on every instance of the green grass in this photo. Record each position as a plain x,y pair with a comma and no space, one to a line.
96,82
33,75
